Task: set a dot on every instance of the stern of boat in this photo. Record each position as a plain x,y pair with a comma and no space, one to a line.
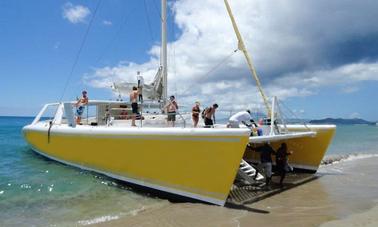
308,151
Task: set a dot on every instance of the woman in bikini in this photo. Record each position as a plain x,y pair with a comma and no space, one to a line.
195,114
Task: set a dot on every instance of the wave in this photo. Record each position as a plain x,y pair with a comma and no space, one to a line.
333,159
108,218
98,220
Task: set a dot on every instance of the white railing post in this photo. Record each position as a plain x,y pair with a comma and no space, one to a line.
58,115
272,116
38,117
69,114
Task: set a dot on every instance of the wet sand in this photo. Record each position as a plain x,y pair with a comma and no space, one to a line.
345,194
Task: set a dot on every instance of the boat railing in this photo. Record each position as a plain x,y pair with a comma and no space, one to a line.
182,118
64,113
53,107
143,119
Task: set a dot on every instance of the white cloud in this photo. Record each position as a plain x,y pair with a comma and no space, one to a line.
355,115
346,75
290,42
349,90
75,13
107,23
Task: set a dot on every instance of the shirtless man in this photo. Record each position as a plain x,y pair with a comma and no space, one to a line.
80,106
171,109
134,104
210,115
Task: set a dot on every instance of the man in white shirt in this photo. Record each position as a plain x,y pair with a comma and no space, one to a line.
243,117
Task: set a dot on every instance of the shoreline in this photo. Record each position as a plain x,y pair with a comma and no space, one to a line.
365,218
325,201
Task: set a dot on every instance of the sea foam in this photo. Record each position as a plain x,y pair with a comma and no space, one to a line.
333,159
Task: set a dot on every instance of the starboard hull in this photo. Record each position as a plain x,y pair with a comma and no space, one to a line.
308,152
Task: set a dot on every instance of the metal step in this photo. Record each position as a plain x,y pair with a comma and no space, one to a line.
247,173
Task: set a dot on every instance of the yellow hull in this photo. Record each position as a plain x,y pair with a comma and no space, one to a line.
201,167
308,152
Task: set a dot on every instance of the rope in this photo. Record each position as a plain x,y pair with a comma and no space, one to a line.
148,20
107,47
80,50
174,48
291,112
213,69
157,9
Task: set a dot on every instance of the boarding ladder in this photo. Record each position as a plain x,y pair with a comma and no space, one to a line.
247,172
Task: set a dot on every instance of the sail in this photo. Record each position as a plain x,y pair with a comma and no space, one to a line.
152,91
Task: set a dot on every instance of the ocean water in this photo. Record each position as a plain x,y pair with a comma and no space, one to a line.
354,139
35,191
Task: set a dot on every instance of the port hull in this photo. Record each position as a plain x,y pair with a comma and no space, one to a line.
196,163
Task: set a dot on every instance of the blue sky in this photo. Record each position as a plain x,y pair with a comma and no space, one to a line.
320,58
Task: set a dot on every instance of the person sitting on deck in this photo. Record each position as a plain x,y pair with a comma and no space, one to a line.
80,106
123,115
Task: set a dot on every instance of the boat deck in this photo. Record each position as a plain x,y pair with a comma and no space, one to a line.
244,194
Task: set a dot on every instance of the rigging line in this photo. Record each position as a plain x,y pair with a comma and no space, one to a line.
80,49
173,45
148,20
293,114
214,68
120,28
157,9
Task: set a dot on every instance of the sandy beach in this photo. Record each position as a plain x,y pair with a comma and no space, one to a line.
344,194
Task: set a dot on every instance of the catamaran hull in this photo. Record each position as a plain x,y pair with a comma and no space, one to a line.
195,163
308,151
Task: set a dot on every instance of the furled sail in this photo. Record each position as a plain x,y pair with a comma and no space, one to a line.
152,91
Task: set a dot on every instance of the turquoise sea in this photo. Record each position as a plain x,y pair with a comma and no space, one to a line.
35,191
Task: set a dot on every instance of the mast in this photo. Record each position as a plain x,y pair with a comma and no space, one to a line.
163,57
241,47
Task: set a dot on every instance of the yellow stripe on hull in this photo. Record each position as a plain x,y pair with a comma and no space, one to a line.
196,166
308,152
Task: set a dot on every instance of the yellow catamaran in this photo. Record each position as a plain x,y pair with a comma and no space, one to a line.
200,163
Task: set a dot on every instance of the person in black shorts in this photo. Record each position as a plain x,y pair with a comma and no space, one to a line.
171,109
210,115
282,161
134,104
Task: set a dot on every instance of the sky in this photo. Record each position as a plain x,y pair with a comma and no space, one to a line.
320,58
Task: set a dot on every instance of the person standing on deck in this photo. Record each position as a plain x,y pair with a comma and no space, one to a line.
80,105
282,161
210,115
140,87
171,109
134,104
195,114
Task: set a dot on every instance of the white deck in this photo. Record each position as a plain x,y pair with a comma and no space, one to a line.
272,138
